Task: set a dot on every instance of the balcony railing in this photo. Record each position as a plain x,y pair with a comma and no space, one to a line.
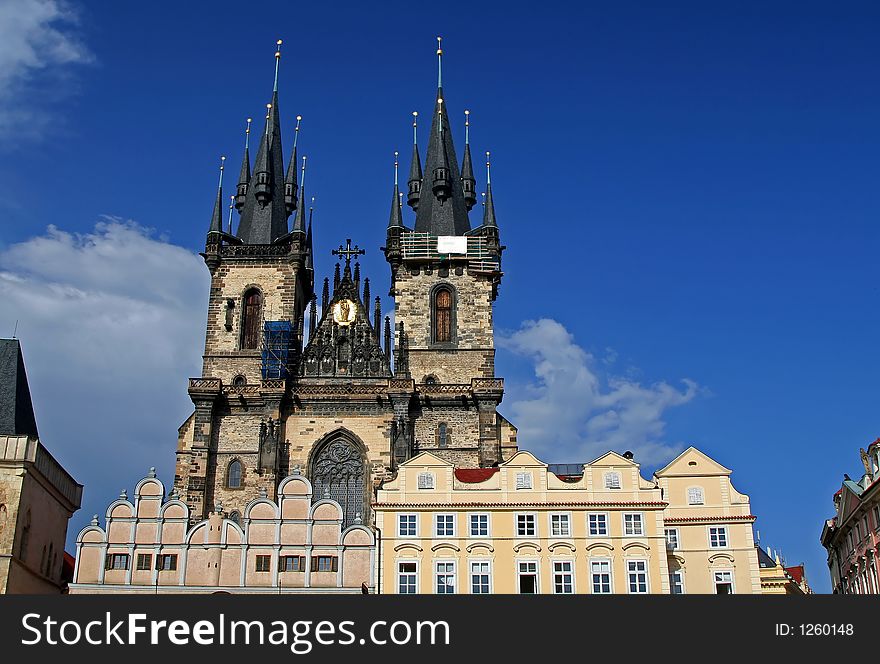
424,246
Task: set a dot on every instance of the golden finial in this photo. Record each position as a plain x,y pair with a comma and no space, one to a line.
231,205
440,115
247,133
395,168
277,62
220,185
415,122
488,176
296,131
484,197
302,180
467,125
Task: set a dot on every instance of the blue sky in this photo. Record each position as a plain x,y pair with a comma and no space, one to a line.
687,194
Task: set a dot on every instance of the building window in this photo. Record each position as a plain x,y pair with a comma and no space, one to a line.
144,561
293,563
445,525
426,480
479,525
407,525
723,583
443,315
560,525
239,381
563,577
527,572
442,435
233,475
695,495
637,576
598,525
632,525
523,480
481,578
235,516
876,512
717,537
338,470
167,561
252,319
672,539
600,576
264,563
325,563
612,480
525,525
858,533
445,578
676,582
117,561
407,578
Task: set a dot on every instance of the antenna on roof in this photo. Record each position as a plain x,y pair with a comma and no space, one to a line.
15,329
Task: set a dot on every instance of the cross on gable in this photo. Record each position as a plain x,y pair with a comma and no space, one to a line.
348,251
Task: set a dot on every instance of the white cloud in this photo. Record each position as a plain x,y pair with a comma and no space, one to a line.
38,43
112,325
570,414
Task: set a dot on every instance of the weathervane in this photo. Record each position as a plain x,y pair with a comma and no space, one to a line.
348,251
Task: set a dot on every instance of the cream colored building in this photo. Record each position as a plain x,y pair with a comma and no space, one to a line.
294,545
599,528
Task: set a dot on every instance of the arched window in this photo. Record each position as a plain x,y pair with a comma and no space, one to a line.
233,475
235,516
25,537
442,315
338,472
239,381
251,319
442,435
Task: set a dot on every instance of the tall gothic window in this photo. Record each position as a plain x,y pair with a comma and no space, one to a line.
442,315
251,319
442,435
338,473
233,475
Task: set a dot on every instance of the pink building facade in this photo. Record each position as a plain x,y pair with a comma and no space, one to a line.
289,546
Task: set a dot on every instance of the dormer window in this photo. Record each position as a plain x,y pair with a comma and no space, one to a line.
612,480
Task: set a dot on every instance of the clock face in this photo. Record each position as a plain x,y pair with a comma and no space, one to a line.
344,312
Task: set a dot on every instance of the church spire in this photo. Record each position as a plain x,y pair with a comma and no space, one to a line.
489,209
244,176
468,182
217,217
396,219
299,224
290,187
264,216
310,262
441,207
415,169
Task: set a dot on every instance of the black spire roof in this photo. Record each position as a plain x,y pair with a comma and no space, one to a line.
441,210
264,216
16,410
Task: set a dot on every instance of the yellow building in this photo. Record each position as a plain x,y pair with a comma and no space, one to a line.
526,527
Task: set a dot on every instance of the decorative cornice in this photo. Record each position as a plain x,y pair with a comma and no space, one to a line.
647,505
710,519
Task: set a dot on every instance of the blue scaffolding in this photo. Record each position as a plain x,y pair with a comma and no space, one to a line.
277,336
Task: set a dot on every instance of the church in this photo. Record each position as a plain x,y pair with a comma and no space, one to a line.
312,399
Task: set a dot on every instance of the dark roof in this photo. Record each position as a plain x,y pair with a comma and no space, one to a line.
16,410
764,559
263,224
447,216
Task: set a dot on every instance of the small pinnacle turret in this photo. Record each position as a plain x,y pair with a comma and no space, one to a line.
468,182
299,224
217,217
290,186
244,176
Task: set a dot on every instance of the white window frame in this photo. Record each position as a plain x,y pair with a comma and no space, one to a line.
400,517
479,561
520,573
723,529
524,481
672,574
626,564
641,522
566,518
732,580
488,524
437,524
426,481
606,519
454,575
534,518
603,561
698,497
876,512
612,478
676,536
407,561
571,572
